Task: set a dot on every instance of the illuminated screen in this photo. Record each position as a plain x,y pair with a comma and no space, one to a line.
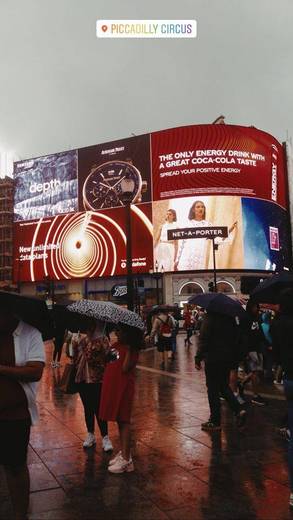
45,186
70,220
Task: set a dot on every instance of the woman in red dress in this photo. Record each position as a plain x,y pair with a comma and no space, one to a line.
118,392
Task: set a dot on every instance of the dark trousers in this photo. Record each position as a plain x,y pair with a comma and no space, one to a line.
217,381
90,394
189,332
58,344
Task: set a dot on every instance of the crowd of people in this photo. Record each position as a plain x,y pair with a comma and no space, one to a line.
238,352
104,382
258,344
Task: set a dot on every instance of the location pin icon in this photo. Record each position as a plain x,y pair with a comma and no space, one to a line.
104,28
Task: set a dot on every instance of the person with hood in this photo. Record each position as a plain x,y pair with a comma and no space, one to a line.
218,341
282,334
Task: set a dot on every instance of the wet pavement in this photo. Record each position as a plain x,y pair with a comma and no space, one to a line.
181,473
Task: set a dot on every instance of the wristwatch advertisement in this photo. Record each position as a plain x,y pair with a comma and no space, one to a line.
104,169
103,186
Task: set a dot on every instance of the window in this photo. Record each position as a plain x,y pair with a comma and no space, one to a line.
225,287
190,288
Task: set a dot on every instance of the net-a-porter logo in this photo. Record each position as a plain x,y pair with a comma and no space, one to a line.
44,187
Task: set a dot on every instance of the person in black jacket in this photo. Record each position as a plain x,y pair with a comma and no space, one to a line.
218,343
282,336
252,344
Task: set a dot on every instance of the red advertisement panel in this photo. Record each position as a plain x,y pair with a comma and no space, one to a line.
82,245
217,160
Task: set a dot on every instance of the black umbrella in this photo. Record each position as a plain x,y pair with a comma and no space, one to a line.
65,319
218,302
30,310
269,290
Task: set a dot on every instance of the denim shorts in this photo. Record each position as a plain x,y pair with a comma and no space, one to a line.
164,343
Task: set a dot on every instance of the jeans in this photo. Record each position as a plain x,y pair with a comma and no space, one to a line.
174,343
288,387
90,394
217,381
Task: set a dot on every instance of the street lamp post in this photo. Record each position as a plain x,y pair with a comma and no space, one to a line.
157,275
127,188
215,247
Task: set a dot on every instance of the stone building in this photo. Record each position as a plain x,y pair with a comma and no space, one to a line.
6,218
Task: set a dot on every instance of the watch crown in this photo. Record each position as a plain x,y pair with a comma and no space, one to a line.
144,186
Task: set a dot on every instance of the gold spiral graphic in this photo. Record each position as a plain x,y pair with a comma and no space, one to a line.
81,245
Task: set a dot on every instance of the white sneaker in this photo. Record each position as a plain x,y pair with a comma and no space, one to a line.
121,466
89,441
107,444
291,501
117,457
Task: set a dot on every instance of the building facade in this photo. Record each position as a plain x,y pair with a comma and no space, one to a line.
6,227
70,221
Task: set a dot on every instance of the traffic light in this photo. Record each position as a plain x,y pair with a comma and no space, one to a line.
211,286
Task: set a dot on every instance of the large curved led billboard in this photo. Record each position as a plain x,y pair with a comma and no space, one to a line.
70,221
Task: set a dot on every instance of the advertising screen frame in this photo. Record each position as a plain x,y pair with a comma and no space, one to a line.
146,162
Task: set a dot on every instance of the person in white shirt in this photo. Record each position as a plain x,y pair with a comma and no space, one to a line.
165,249
22,360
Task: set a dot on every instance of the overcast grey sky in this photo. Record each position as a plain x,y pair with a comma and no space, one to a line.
61,87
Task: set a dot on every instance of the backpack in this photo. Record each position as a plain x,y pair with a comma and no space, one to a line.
166,327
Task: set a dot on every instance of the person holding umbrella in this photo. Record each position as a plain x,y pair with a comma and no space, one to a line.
282,333
89,358
118,380
218,342
118,392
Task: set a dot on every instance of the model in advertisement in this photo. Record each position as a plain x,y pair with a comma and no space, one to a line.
193,253
166,250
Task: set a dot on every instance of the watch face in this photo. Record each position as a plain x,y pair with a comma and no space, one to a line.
102,188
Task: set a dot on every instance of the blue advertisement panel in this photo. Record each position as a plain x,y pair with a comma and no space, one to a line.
265,235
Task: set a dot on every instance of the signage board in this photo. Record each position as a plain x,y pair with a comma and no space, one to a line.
197,232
